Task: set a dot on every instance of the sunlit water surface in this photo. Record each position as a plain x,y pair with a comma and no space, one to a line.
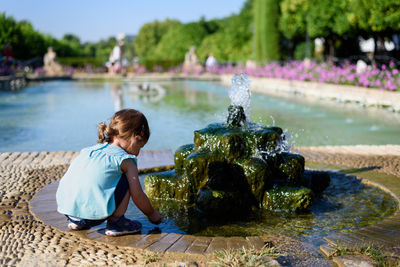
62,115
345,205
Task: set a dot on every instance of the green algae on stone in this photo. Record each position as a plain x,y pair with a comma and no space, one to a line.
219,137
258,175
292,166
196,168
180,156
286,198
166,185
236,142
227,158
268,139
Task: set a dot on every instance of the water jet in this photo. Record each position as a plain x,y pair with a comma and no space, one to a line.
235,167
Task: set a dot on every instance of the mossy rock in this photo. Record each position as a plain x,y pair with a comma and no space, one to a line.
287,198
292,167
230,142
268,139
236,116
275,129
180,156
237,142
227,176
258,176
196,168
222,203
223,172
317,181
167,185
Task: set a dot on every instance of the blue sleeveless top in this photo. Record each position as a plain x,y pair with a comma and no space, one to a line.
87,189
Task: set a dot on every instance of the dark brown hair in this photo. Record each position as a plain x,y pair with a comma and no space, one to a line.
124,124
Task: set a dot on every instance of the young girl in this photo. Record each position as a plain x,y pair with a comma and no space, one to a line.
100,180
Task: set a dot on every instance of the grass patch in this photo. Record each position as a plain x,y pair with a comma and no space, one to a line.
246,257
380,258
150,257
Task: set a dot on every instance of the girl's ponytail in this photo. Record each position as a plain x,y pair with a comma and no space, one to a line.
104,133
124,124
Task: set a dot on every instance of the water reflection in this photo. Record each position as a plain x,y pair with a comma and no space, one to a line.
146,92
45,115
345,204
117,96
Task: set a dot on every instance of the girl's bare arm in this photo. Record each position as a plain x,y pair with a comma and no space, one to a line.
135,189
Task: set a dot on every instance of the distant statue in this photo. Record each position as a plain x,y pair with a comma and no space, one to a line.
115,61
51,67
251,64
211,62
191,64
361,66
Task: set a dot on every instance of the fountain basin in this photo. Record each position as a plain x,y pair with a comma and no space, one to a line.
360,226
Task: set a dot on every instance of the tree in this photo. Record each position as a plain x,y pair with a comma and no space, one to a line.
292,21
376,18
9,30
329,19
150,34
25,41
104,48
267,36
33,43
73,45
176,42
233,39
231,43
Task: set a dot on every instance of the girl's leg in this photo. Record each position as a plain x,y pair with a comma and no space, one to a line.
121,196
117,224
123,206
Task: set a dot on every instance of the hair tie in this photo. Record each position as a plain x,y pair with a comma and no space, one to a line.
142,132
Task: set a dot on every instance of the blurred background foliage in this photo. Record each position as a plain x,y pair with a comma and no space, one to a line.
263,30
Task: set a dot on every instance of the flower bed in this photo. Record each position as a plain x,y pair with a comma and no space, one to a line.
385,78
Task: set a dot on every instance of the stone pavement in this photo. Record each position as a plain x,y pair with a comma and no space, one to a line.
18,209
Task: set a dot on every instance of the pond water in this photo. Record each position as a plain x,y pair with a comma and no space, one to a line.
62,115
346,204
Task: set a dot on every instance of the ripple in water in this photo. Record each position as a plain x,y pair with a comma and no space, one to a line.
346,204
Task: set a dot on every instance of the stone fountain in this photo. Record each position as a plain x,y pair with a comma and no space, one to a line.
238,166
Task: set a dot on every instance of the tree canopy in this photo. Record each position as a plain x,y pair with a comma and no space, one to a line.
262,30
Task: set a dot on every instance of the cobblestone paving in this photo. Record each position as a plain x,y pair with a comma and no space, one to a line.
26,241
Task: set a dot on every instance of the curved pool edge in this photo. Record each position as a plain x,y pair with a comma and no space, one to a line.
43,208
384,234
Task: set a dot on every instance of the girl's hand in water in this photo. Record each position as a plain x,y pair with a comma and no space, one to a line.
155,217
